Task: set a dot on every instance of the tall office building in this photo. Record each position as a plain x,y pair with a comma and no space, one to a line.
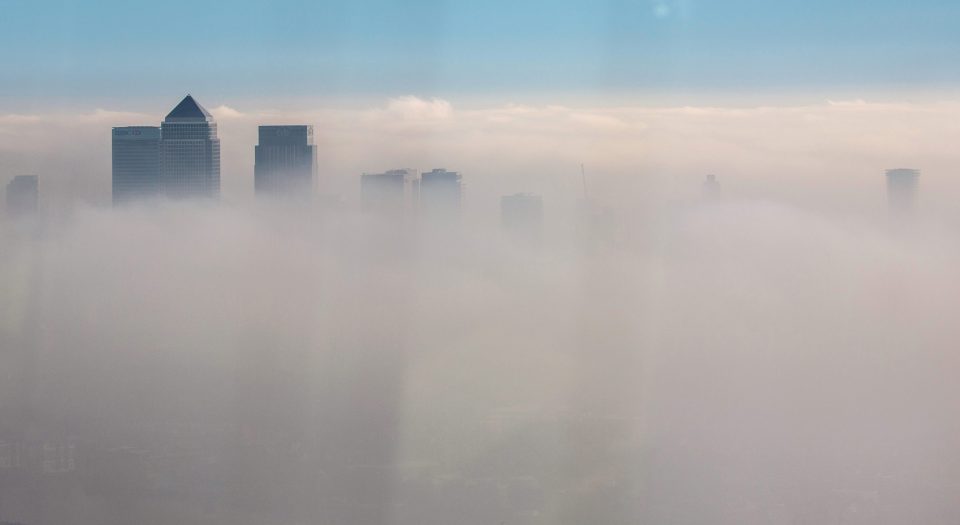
521,214
23,195
136,163
285,161
392,192
902,189
440,193
189,152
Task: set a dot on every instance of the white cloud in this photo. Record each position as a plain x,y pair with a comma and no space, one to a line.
225,112
15,118
661,10
108,115
415,108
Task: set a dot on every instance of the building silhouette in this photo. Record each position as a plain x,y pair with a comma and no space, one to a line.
711,187
902,184
521,214
136,163
189,152
440,193
395,191
23,195
285,161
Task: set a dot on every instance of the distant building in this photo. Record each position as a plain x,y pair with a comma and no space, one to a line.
23,195
393,192
46,457
440,193
190,152
902,187
136,163
599,225
711,187
521,214
285,161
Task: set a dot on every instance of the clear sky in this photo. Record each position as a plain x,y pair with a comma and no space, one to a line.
72,50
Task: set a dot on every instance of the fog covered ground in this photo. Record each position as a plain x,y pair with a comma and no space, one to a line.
740,362
785,353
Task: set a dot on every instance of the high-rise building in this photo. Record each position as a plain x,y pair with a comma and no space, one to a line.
902,186
136,163
285,161
440,193
23,195
521,214
189,152
392,192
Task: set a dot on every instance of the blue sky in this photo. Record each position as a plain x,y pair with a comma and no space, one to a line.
75,51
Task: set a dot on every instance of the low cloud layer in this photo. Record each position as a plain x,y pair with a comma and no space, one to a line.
730,362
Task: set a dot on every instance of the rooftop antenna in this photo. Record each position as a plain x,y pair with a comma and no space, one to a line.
583,176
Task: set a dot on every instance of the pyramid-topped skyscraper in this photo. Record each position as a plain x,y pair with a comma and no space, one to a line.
188,109
190,152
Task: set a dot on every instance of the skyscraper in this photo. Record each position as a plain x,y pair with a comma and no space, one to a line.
285,161
440,193
136,163
392,192
23,195
189,152
902,186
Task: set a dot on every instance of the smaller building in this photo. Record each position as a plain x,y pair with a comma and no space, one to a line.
395,191
521,214
285,161
23,195
136,163
711,187
441,192
44,457
902,184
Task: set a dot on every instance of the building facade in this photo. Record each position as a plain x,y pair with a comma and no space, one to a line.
136,163
902,184
521,214
23,195
392,192
189,152
441,193
285,162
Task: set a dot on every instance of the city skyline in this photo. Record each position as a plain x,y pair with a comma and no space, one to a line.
640,152
145,134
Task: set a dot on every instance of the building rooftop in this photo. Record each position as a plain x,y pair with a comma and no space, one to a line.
189,109
23,182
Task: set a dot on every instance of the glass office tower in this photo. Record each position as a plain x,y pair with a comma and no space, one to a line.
136,163
285,162
190,152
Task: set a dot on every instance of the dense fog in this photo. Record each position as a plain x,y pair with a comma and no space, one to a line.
780,351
